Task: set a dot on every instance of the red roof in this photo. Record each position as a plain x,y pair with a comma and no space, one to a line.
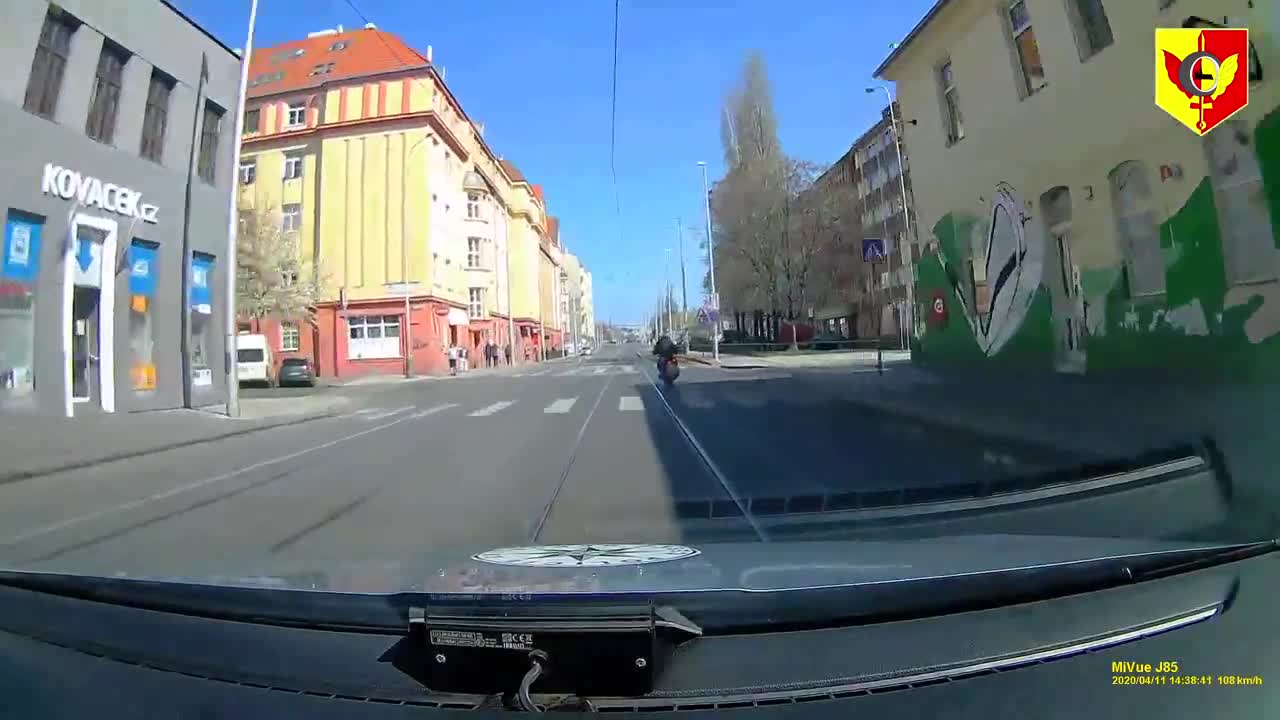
356,53
512,171
553,229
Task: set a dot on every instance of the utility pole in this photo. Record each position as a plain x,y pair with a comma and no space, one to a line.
711,266
233,221
684,285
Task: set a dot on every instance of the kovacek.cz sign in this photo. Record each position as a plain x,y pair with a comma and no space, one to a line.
90,191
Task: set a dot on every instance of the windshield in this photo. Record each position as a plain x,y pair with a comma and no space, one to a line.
929,270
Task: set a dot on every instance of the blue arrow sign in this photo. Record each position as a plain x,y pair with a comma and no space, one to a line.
84,255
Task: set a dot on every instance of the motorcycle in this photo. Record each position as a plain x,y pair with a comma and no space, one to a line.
668,370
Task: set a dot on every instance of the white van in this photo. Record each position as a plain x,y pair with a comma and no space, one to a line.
254,361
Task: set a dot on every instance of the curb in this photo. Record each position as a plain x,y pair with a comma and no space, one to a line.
20,475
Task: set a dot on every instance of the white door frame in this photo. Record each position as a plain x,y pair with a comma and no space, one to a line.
106,310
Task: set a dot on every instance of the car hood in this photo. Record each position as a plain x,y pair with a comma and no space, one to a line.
644,568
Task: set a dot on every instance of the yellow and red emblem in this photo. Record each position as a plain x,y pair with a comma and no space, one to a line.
1202,74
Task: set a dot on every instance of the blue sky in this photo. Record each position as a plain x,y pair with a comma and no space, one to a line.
538,75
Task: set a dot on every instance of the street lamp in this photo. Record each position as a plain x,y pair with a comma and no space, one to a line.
229,361
906,206
711,266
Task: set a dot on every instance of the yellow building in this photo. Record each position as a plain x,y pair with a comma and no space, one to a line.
1071,223
354,140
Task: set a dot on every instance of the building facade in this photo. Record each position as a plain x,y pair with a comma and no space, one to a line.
355,143
865,194
1067,237
118,143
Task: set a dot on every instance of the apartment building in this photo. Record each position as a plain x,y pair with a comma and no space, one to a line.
1073,225
863,192
117,194
354,142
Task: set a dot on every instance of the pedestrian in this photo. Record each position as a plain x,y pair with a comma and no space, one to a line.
507,351
491,354
453,359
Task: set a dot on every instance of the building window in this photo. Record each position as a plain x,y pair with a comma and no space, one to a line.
155,119
952,121
45,82
104,104
143,257
475,302
1024,41
19,267
292,167
373,336
290,338
340,45
203,339
296,117
252,121
1092,29
473,252
1137,228
473,207
248,172
322,69
291,217
207,167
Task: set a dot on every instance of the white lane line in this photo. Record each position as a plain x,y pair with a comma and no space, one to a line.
627,369
134,504
379,415
630,403
600,370
536,374
720,477
561,406
491,409
433,410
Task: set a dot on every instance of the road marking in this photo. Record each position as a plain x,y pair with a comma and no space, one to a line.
536,374
379,414
491,409
433,410
561,406
600,370
134,504
573,455
627,369
630,403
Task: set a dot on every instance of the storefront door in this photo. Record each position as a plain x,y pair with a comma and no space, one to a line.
91,348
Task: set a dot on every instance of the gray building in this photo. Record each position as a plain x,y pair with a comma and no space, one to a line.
117,120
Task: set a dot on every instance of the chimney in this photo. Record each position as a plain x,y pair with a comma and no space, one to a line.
370,26
428,53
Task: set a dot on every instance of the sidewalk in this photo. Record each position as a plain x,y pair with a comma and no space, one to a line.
35,446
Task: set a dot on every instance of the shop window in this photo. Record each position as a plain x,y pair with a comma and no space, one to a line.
19,267
143,257
373,336
203,341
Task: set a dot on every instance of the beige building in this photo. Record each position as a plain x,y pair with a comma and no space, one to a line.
1070,223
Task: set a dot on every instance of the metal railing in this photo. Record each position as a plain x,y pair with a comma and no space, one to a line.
816,345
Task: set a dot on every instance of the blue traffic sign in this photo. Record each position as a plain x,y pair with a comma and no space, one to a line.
872,250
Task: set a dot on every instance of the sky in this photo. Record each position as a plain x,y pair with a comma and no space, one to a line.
539,76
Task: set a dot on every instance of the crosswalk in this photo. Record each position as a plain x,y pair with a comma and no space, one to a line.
558,406
578,371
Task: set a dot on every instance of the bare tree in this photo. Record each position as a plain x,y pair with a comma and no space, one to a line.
273,280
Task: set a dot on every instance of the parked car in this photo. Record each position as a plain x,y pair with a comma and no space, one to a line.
254,362
297,371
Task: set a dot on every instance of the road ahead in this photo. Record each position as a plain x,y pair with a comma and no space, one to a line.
573,450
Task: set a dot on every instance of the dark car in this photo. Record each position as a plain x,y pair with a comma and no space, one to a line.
296,371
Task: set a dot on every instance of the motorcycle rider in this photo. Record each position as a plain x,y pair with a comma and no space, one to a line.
665,349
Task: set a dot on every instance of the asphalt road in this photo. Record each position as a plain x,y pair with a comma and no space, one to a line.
576,450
